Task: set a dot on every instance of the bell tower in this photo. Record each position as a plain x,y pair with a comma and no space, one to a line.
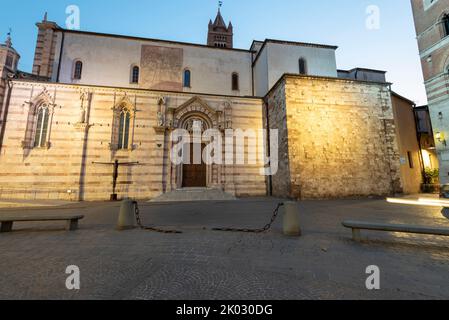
9,58
219,35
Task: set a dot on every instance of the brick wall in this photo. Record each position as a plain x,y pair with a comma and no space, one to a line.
44,56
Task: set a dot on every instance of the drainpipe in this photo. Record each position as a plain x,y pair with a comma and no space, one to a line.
252,73
270,178
9,85
418,136
61,50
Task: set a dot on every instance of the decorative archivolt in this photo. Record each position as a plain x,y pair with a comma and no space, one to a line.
221,118
125,103
196,105
44,97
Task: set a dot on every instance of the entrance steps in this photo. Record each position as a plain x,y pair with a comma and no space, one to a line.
194,194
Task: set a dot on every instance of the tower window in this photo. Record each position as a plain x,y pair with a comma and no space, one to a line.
235,82
187,78
9,60
446,25
135,74
40,135
302,66
78,70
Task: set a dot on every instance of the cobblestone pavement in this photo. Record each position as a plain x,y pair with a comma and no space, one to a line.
202,264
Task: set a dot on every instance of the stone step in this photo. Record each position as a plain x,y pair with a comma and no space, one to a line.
194,194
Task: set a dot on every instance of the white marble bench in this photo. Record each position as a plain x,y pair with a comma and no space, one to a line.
356,226
8,221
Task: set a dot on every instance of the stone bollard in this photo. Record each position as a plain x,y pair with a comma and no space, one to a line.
291,219
127,216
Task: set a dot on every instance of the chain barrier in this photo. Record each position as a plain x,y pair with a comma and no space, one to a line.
264,229
247,230
154,229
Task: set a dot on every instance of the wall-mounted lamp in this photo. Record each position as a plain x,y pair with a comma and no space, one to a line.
440,115
440,137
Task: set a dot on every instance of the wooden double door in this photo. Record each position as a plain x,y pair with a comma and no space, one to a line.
194,175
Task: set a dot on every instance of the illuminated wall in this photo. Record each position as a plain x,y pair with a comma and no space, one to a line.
340,139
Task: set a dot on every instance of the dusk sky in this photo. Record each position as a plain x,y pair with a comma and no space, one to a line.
392,47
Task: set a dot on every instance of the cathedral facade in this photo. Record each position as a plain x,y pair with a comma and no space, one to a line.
94,100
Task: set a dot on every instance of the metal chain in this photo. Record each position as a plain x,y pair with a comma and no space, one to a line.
264,229
141,226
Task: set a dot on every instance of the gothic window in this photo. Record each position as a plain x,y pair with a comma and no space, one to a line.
123,132
446,25
135,74
302,66
187,79
40,134
78,70
235,81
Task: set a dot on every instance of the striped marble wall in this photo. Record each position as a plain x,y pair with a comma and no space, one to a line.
80,136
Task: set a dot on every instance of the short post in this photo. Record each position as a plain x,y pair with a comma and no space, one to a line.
72,225
127,215
291,219
356,236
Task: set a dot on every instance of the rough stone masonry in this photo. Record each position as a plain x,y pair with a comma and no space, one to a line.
337,138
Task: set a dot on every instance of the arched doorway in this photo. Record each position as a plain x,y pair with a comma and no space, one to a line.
194,171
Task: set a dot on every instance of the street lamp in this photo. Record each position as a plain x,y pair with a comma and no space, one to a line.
440,137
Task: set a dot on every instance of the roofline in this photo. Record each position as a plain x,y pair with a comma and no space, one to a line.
254,41
402,97
109,35
363,69
301,44
135,89
296,76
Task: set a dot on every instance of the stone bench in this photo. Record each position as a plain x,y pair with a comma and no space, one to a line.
356,226
7,221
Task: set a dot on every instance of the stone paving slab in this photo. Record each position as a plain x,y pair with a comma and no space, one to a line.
202,264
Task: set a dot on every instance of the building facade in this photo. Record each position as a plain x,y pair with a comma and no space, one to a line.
432,29
94,99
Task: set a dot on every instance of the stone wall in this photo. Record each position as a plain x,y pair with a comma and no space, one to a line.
65,168
409,151
341,138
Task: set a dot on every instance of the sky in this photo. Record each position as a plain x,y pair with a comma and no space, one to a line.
389,44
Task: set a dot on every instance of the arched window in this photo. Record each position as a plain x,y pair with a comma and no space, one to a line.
302,66
78,70
445,22
235,81
135,74
40,134
123,131
187,79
